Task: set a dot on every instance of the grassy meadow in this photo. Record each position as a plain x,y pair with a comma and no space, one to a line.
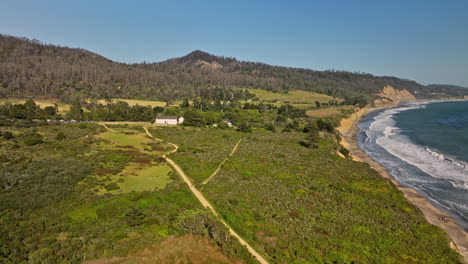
300,205
329,111
74,193
294,97
200,150
132,102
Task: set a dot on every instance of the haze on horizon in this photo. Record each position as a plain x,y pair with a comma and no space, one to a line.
426,41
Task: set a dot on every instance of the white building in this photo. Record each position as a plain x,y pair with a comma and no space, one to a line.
168,120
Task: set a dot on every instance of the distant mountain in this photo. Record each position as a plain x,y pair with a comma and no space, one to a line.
31,68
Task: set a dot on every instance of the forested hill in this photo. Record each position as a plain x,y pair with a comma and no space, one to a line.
31,68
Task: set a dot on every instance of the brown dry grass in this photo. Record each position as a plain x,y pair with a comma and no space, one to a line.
181,250
329,111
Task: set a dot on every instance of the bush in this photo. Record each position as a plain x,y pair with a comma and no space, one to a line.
60,136
344,151
270,127
223,125
245,128
135,217
311,141
112,186
33,140
326,124
8,135
310,126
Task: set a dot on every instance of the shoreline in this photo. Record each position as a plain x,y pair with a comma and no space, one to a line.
348,129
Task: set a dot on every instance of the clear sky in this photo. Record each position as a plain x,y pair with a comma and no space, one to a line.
423,40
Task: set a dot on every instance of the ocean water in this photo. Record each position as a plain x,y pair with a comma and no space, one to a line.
424,146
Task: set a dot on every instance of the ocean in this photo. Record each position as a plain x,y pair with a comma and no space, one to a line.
424,145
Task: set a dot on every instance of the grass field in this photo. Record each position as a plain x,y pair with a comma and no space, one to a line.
185,249
304,205
66,219
135,139
295,97
328,111
138,178
133,102
200,150
62,107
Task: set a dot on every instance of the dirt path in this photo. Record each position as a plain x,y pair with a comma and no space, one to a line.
222,163
203,200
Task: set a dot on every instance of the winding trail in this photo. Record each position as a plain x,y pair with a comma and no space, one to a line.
222,163
198,194
202,199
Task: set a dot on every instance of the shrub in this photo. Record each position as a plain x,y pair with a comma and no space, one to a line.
270,127
223,125
33,139
344,151
311,140
135,217
326,124
112,186
245,128
60,136
8,135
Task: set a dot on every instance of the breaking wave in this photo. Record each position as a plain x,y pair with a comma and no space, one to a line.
430,161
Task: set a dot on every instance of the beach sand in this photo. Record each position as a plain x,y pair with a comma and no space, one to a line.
433,215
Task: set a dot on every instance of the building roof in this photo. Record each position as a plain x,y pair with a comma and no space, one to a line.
166,117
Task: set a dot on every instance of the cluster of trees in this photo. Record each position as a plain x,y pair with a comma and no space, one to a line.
243,116
118,111
28,110
31,68
121,111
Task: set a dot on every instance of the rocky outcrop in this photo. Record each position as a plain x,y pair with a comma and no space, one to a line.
208,66
391,96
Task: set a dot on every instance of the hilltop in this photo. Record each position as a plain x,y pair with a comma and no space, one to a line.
31,68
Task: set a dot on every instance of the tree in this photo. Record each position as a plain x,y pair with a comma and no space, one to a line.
185,103
49,111
193,118
31,109
76,112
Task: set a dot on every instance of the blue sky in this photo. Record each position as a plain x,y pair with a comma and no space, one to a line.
426,41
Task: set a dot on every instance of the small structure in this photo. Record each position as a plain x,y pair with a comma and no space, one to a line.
168,120
227,122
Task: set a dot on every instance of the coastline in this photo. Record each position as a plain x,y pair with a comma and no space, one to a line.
348,129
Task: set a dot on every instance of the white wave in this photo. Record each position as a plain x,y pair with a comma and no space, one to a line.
385,134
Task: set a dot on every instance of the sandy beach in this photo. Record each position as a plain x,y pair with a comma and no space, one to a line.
433,215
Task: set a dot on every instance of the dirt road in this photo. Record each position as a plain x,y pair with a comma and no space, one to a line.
203,200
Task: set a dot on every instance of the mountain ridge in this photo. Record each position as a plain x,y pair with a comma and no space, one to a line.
32,68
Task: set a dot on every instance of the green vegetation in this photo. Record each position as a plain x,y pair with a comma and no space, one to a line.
200,150
78,192
294,96
89,195
302,205
305,204
61,72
